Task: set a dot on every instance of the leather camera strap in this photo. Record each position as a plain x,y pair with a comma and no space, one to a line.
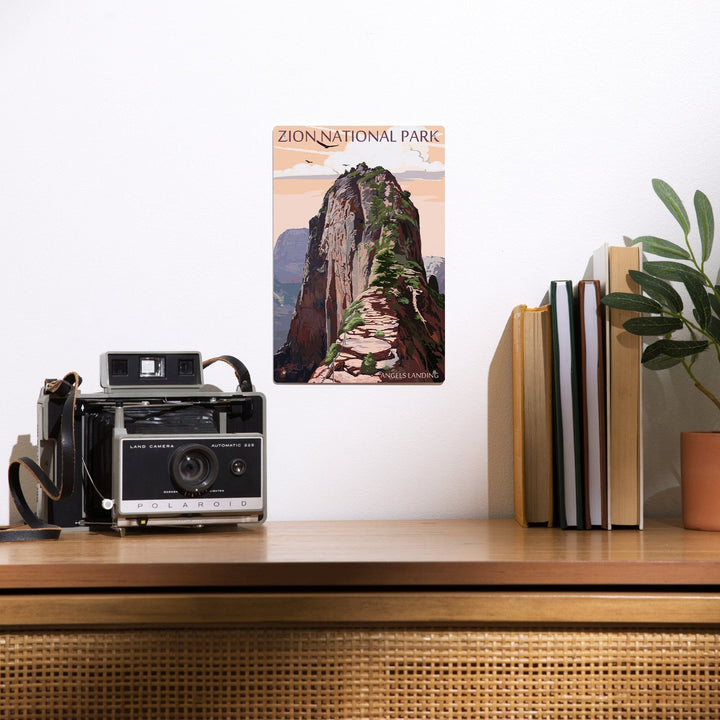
241,372
34,528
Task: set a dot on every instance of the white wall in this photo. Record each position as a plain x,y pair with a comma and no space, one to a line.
136,204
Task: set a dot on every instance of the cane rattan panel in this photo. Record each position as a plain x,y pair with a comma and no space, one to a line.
384,673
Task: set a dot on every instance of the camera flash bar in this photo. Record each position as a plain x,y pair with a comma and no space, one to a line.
140,369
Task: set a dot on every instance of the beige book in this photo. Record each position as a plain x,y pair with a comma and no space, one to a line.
532,415
624,393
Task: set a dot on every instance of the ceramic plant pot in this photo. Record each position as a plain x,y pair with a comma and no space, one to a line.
700,481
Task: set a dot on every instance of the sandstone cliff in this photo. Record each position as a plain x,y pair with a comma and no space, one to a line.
365,312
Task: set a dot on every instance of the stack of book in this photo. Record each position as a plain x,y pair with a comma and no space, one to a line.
577,403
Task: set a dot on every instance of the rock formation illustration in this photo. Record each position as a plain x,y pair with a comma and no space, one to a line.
288,263
366,312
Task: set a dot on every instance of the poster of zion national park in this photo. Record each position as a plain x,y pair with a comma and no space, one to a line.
359,254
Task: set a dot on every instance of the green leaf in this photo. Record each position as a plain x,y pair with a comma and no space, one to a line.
706,222
673,349
699,297
714,303
658,290
714,329
669,270
631,301
652,325
661,362
673,203
663,248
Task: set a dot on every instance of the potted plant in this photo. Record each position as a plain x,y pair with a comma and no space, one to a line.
665,316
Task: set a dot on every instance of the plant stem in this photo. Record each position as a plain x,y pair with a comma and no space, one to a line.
700,386
692,254
708,394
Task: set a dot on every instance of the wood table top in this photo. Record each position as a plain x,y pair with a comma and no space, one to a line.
397,554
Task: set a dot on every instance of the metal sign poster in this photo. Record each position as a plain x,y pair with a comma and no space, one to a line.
359,254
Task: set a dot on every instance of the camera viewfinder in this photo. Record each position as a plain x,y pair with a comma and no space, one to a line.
119,367
186,367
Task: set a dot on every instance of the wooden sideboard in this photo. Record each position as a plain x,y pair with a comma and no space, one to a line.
381,619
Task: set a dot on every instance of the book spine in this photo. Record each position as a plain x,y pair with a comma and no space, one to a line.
518,416
624,397
567,422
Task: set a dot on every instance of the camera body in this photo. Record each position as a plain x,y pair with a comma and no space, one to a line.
157,447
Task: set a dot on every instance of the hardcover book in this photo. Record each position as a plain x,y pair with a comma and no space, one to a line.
567,418
532,378
623,375
625,421
359,254
592,372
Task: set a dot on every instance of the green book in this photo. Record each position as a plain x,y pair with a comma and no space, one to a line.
567,416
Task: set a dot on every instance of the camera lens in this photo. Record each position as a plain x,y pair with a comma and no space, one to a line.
193,469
